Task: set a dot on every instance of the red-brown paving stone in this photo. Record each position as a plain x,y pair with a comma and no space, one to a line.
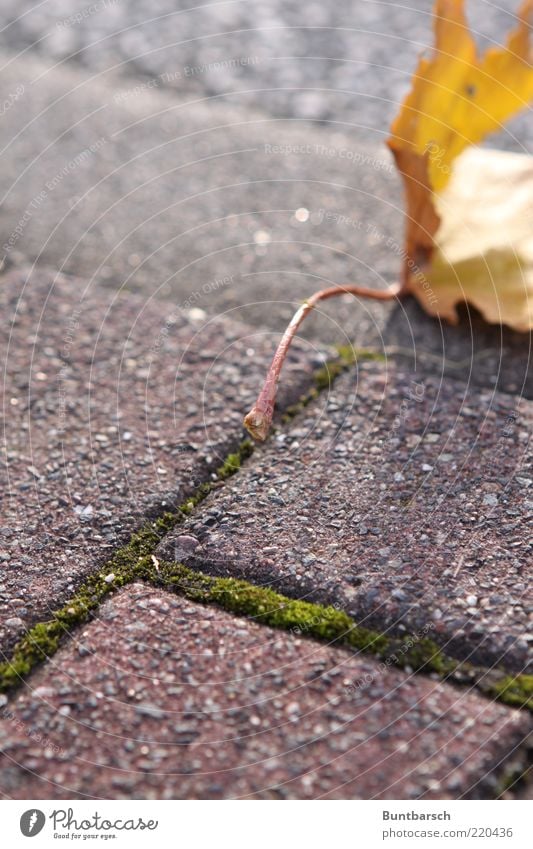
163,698
405,499
115,408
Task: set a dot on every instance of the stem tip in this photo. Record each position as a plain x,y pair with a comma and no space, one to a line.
258,424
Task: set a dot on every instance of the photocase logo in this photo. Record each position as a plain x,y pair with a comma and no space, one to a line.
32,822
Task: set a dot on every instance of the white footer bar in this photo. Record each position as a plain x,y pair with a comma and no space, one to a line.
268,824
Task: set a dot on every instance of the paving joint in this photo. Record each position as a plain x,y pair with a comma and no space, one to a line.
325,377
332,625
127,564
136,561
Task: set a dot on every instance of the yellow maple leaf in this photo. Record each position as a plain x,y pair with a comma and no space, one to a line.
469,233
457,98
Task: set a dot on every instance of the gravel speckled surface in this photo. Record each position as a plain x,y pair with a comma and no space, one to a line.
406,500
161,698
173,199
114,407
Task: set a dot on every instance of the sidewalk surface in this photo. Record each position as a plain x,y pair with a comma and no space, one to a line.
343,612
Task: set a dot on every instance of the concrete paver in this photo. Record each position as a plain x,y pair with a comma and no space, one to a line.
473,351
161,698
405,499
176,198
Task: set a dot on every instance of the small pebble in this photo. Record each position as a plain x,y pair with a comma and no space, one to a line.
184,545
84,512
14,622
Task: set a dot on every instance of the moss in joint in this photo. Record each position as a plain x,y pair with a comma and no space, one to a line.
267,606
300,617
328,624
130,563
349,355
43,640
134,562
264,605
229,467
233,462
513,779
515,690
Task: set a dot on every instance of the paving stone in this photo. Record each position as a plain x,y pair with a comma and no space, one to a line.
403,498
115,408
162,698
175,198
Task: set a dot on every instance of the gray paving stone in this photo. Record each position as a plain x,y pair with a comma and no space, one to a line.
115,408
343,62
161,698
404,498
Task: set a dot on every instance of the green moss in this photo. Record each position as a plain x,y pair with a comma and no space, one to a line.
268,607
233,462
229,467
424,655
330,625
514,690
134,561
130,563
349,355
43,640
292,411
263,605
301,618
514,779
325,376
